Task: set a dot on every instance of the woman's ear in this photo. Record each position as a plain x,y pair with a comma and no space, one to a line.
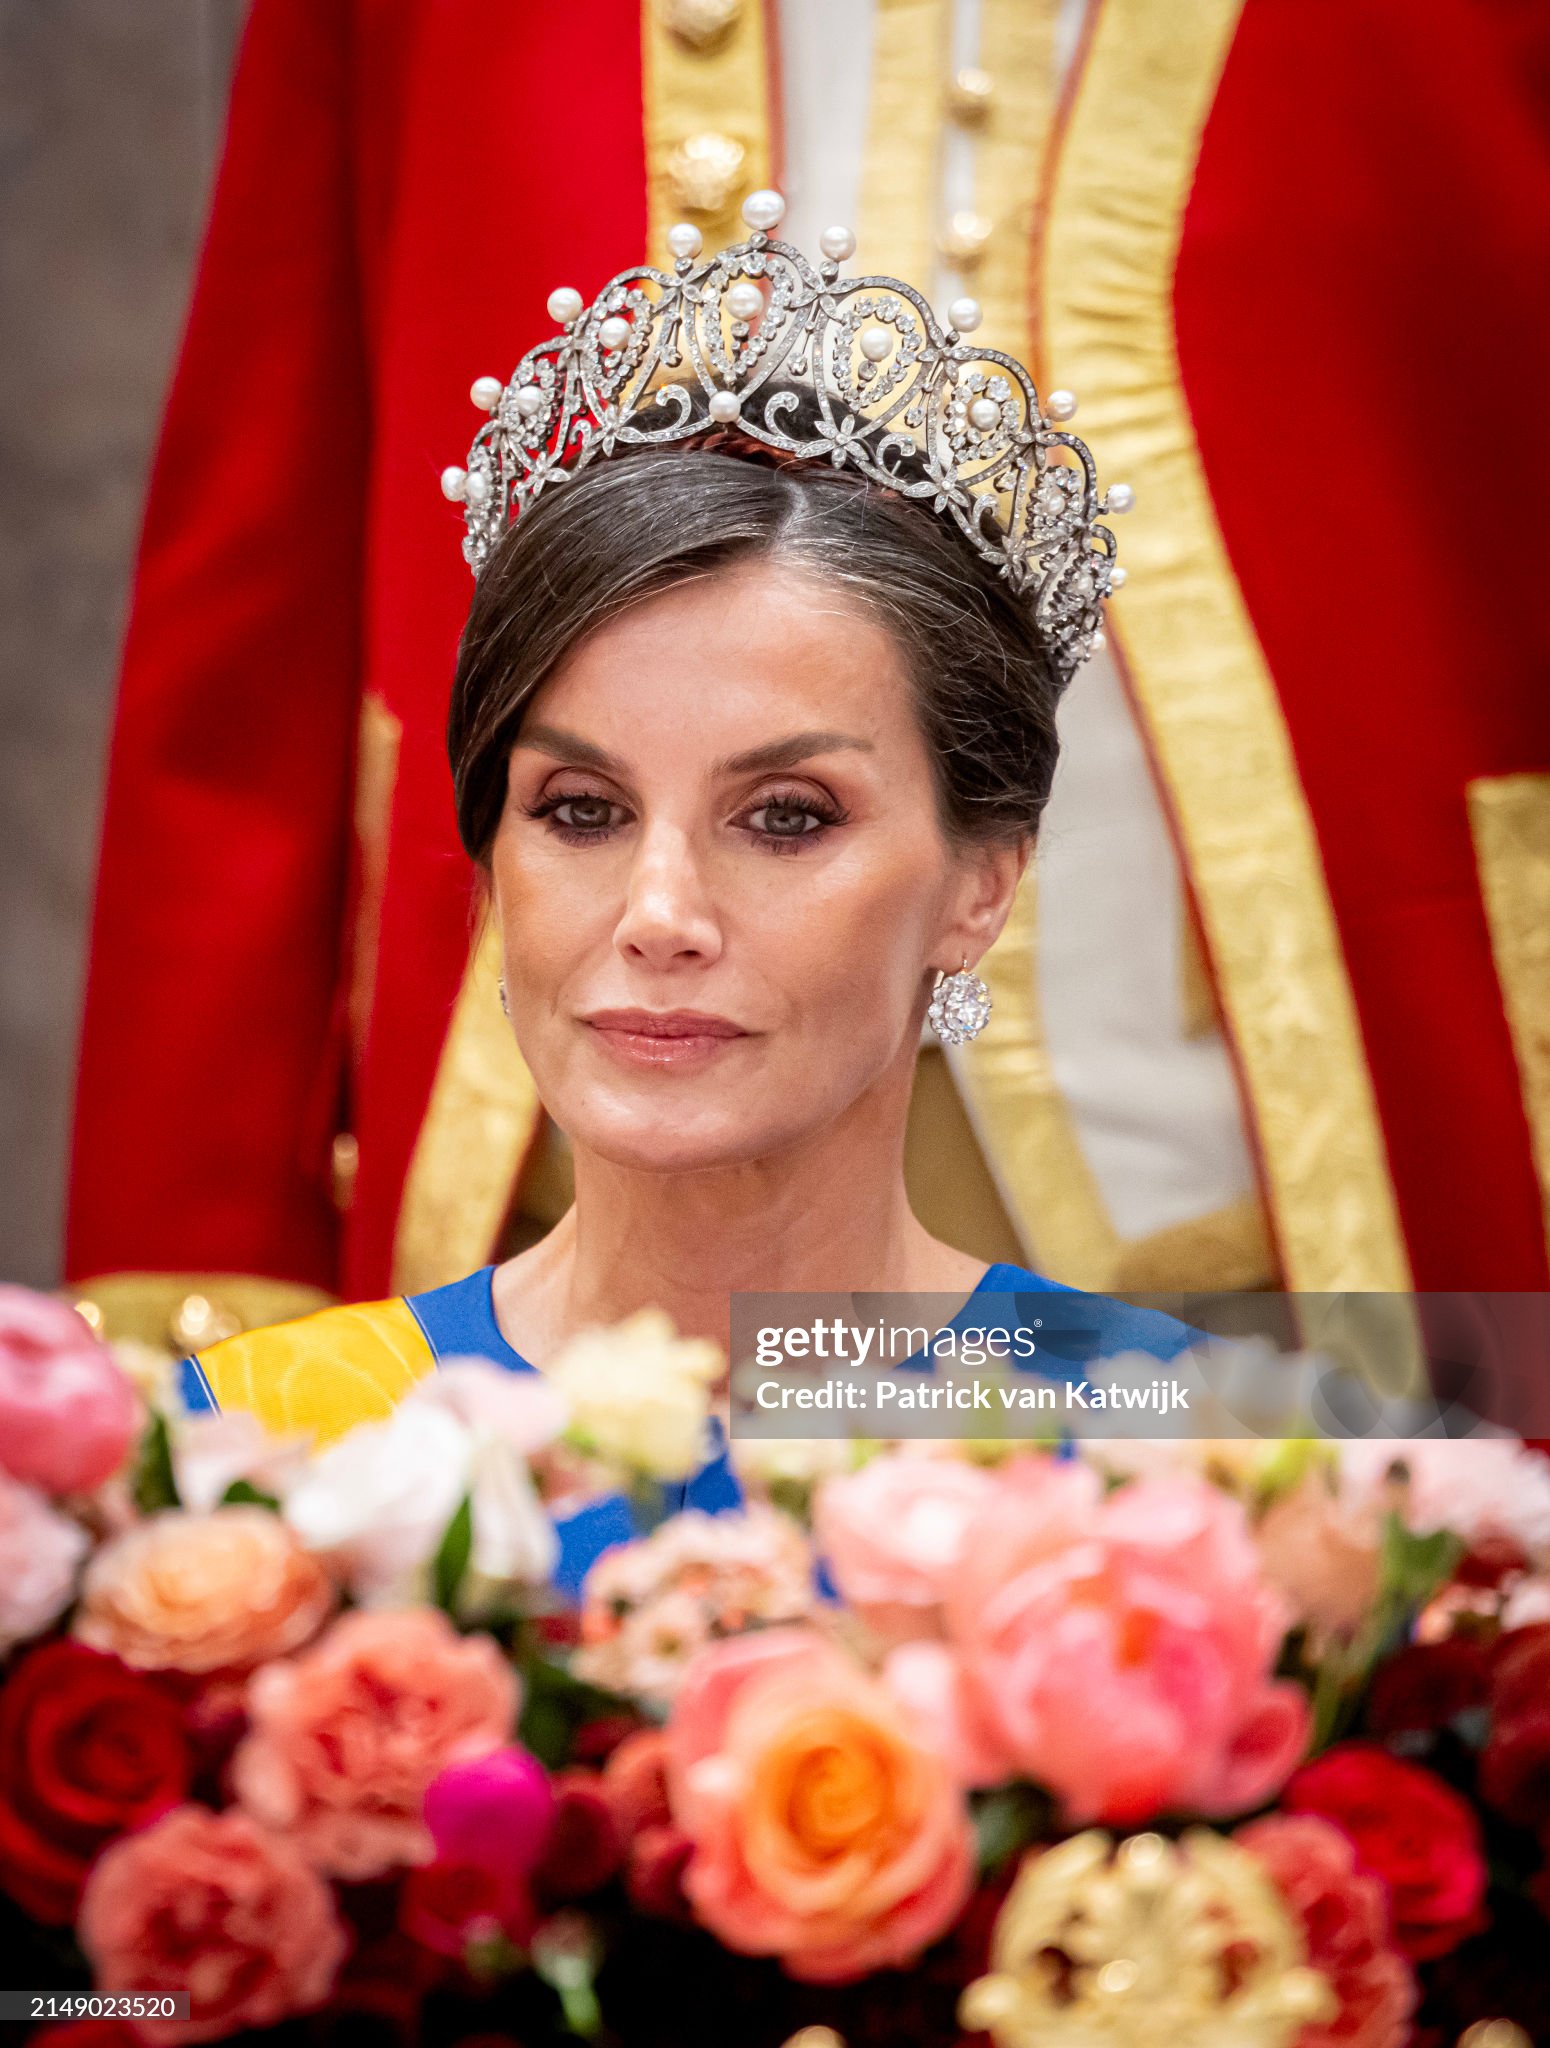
991,877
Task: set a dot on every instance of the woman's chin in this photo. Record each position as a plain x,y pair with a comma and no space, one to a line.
658,1142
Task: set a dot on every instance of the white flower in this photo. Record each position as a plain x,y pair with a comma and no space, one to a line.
376,1504
508,1416
149,1370
639,1394
1476,1486
790,1460
41,1551
210,1451
521,1408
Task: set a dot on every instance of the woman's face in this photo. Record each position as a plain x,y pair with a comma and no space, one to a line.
721,803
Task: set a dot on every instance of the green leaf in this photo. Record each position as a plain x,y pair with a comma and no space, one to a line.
566,1954
1412,1568
243,1493
555,1705
451,1561
1007,1820
155,1484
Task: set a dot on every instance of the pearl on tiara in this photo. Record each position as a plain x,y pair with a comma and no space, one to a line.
888,391
763,211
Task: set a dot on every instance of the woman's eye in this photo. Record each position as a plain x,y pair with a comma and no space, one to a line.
577,817
788,820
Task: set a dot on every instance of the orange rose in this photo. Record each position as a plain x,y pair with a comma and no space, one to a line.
821,1831
202,1593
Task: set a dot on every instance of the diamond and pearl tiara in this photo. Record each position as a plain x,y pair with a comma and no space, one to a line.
720,343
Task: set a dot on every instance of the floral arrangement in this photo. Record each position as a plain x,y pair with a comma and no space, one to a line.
1236,1744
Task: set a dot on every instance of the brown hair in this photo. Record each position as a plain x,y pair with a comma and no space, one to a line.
637,522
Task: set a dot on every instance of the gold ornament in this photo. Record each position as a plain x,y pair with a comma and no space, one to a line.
964,239
970,94
705,171
1145,1946
701,24
1494,2034
198,1322
814,2037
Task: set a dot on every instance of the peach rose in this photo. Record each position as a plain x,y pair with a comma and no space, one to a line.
211,1904
893,1535
1116,1649
346,1738
821,1831
1321,1550
203,1593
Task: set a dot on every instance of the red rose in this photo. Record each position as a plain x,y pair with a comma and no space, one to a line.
1515,1769
1427,1684
1520,1671
88,1750
88,2034
1408,1828
583,1849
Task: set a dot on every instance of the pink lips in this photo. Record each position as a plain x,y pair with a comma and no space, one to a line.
658,1038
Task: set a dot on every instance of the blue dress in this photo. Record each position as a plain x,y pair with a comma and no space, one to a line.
343,1365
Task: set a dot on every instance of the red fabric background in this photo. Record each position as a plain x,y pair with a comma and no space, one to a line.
1363,314
402,186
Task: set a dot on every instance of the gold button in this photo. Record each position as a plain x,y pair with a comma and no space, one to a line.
964,238
345,1160
199,1321
705,171
971,93
702,24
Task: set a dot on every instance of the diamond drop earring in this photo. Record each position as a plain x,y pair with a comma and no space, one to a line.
505,1004
960,1005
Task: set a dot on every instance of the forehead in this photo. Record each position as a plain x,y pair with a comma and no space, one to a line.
753,648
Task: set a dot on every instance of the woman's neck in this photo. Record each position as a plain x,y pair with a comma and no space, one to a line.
827,1214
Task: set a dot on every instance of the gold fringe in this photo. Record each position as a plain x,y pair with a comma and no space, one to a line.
481,1119
895,231
690,91
1509,816
1116,208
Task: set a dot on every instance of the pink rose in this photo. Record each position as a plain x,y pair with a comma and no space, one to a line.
346,1738
68,1416
489,1819
214,1905
1344,1918
894,1533
821,1831
1116,1649
40,1553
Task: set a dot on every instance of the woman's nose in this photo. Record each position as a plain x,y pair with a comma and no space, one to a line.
668,910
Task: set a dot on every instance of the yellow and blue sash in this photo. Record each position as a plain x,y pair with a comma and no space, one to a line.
326,1372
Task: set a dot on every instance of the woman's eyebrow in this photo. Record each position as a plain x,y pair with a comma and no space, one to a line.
786,753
